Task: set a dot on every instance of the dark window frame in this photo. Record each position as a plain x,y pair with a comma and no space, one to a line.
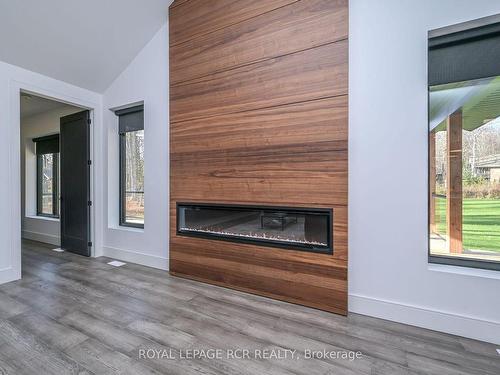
433,80
122,167
55,180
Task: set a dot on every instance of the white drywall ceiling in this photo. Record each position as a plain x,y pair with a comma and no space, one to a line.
32,105
85,43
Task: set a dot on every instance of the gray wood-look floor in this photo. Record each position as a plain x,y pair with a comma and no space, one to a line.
76,315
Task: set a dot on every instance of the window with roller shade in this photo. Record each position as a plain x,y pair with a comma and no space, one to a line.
131,135
47,160
464,147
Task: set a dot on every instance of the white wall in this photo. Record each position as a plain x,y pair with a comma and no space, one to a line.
12,80
389,275
144,80
35,227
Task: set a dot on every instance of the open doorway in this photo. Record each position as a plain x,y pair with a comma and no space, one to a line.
55,173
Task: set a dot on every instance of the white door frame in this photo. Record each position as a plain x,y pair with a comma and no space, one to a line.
95,108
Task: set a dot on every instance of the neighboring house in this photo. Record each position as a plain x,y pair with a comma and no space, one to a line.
489,167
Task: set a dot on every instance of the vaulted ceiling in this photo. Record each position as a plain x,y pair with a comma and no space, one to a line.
86,43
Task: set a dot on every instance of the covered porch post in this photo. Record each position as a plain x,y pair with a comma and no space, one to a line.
454,182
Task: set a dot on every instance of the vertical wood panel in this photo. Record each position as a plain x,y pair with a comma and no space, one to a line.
307,75
297,124
258,115
193,18
299,26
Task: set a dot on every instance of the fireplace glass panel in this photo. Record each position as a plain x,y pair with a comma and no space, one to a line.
301,229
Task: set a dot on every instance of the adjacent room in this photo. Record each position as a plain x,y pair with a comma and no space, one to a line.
55,147
250,187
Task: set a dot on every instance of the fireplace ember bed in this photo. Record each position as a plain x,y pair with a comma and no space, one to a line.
304,229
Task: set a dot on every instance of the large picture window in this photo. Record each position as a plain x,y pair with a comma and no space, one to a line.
131,131
464,150
47,154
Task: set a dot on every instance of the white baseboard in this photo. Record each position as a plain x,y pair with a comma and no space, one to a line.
8,274
465,326
42,237
135,257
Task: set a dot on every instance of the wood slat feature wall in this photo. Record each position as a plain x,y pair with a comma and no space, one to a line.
259,115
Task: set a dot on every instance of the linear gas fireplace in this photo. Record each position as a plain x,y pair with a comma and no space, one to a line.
306,229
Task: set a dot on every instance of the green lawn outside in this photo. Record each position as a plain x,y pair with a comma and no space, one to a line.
481,223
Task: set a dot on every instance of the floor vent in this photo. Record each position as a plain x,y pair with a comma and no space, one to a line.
116,263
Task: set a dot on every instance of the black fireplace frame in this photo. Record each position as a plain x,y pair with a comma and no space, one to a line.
328,212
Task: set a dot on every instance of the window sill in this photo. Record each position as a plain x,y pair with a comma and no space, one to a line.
465,271
127,229
46,218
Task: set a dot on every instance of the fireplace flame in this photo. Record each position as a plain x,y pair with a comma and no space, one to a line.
265,236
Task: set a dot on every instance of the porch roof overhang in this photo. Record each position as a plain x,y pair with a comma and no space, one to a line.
479,101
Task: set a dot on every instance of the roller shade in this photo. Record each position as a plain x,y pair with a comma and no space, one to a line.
465,55
131,119
47,145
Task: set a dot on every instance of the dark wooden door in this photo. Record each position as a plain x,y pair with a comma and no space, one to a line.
75,183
